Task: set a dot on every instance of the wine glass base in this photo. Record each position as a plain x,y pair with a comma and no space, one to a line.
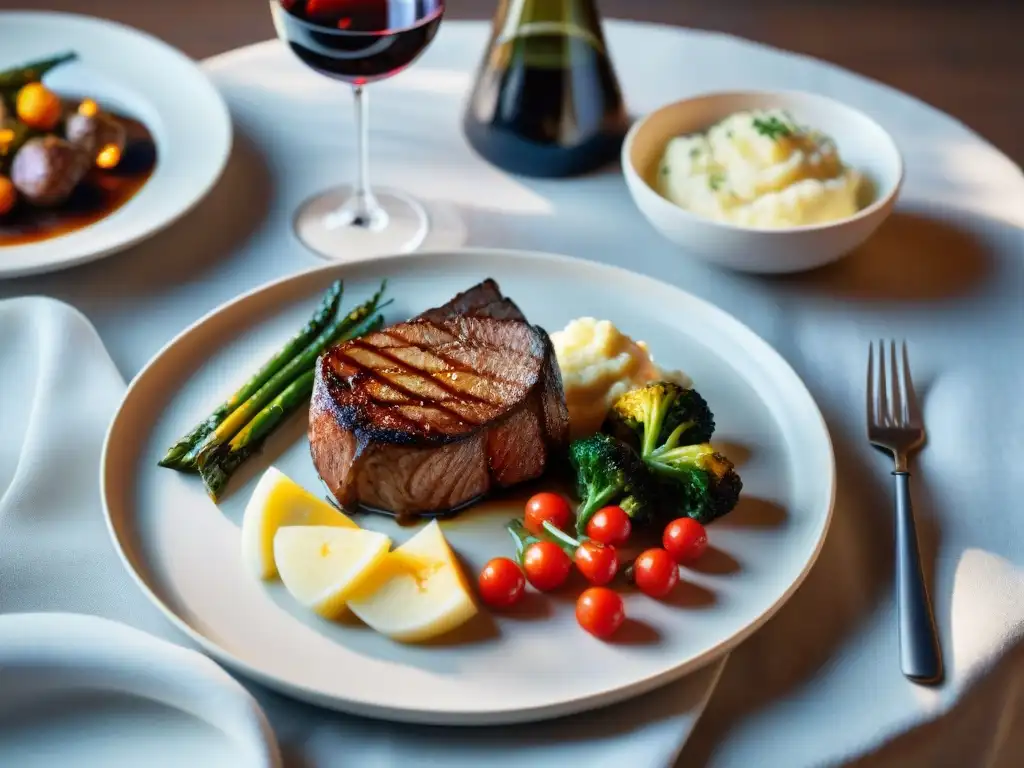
324,225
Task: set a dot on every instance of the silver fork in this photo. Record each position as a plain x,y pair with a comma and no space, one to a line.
895,425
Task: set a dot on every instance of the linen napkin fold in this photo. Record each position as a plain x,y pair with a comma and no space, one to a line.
52,655
59,391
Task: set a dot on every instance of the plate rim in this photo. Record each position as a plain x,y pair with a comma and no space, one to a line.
471,717
224,131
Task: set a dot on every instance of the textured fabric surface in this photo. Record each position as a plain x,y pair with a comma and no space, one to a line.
819,684
60,390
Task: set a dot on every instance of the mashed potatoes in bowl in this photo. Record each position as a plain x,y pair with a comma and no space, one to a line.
782,195
599,363
759,168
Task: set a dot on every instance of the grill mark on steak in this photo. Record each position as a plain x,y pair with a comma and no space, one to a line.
432,414
468,339
414,397
425,376
335,381
454,365
524,351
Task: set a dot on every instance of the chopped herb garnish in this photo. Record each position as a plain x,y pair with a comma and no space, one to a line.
664,170
728,134
694,151
772,127
715,181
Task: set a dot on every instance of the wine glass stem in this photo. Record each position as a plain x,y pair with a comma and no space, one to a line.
363,210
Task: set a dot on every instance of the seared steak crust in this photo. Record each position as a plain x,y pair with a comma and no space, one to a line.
482,300
431,414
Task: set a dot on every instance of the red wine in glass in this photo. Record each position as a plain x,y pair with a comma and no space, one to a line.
358,41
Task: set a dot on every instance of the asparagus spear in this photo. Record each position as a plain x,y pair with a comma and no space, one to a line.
316,324
305,360
218,469
33,71
217,466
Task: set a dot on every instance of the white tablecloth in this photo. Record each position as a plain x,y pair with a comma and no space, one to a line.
820,684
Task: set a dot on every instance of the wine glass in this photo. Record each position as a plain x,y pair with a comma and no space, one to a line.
359,42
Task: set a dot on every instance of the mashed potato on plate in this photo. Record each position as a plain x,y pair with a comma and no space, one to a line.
598,364
759,169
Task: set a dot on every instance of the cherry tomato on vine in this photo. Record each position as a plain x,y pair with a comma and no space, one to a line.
546,565
501,583
655,572
610,525
685,539
600,611
597,562
550,507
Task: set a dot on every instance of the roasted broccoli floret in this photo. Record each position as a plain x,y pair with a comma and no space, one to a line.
661,414
671,428
609,472
696,480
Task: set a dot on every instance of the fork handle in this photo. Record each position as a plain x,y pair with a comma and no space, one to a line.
920,657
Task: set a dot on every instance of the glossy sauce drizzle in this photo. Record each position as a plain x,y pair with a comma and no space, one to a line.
98,195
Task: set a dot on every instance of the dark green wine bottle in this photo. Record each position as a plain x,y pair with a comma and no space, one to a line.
546,101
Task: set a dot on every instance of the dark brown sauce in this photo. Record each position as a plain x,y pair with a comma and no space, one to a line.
407,519
403,520
97,196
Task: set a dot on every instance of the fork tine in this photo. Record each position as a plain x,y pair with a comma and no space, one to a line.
896,388
870,389
911,407
881,400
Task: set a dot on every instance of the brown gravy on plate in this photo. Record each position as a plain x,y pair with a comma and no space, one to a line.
98,195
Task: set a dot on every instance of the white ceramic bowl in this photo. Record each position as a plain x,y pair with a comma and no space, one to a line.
863,144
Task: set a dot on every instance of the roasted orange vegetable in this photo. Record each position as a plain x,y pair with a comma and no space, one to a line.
38,107
88,108
109,156
8,195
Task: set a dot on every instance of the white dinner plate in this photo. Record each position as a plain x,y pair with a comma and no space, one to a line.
90,692
144,78
184,551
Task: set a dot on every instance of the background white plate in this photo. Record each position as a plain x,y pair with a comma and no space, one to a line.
90,692
184,551
147,79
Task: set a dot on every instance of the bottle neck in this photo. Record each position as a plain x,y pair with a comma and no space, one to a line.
521,19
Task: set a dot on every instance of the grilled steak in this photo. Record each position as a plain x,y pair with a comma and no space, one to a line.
431,414
482,300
